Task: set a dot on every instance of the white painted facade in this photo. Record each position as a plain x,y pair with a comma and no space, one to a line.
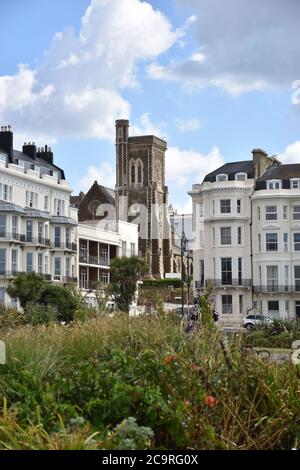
98,245
38,228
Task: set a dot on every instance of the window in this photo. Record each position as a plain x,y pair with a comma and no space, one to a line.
285,212
132,173
297,241
214,267
271,242
241,176
297,278
273,308
57,267
238,206
260,276
225,206
213,207
68,267
40,263
57,237
286,278
29,231
14,261
104,277
221,177
139,174
46,203
2,157
2,295
2,226
287,309
275,184
47,231
31,199
59,206
226,304
295,183
68,236
259,242
272,278
225,235
214,236
240,271
271,212
132,249
29,262
285,242
15,225
201,272
241,304
2,261
296,212
124,248
226,271
40,231
258,213
239,235
5,192
46,264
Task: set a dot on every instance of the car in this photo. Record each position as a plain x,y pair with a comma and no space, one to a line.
249,321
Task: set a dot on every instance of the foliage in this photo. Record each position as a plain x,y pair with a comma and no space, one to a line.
27,287
162,283
277,334
10,317
62,299
125,273
38,314
80,385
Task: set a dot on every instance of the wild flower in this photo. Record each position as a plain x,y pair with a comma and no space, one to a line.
210,401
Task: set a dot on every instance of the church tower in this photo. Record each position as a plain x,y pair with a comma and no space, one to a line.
141,195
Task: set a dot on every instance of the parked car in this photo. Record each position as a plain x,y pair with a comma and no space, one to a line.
249,321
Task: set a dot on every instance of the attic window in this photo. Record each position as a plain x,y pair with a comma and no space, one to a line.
2,157
241,176
274,184
221,177
295,183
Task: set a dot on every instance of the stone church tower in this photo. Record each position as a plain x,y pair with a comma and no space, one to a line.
141,195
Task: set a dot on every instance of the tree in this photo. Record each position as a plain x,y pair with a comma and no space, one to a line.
125,274
62,299
26,287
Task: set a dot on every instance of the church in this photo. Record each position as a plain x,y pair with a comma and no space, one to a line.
140,196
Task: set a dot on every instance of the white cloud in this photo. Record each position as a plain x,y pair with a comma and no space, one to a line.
77,89
104,175
184,125
146,127
242,46
185,167
291,154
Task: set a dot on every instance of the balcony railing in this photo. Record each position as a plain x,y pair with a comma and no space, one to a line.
64,246
230,283
91,285
88,259
199,284
276,289
65,279
11,274
15,237
37,241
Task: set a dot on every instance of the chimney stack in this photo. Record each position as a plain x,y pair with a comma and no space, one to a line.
262,161
29,149
7,140
45,154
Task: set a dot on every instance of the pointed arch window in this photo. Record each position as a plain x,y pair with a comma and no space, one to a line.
139,172
132,173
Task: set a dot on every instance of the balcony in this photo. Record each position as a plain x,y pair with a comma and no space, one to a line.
199,284
238,283
88,259
37,241
91,285
12,237
12,274
277,289
65,279
66,246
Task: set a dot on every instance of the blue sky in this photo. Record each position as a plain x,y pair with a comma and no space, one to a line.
214,78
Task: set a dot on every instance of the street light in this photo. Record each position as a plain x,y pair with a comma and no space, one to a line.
183,249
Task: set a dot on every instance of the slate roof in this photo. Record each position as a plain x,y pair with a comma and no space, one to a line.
9,207
281,172
36,214
230,169
59,219
37,161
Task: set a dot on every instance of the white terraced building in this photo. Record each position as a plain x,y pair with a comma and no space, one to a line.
246,218
38,227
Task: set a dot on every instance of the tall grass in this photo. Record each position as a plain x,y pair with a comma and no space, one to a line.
70,386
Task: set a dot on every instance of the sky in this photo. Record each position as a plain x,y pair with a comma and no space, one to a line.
214,78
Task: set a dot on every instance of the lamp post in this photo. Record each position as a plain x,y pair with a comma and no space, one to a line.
183,249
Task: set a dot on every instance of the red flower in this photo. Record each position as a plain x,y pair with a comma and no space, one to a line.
169,358
194,366
210,401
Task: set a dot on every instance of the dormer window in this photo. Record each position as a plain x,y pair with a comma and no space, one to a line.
295,183
2,157
221,177
241,176
274,184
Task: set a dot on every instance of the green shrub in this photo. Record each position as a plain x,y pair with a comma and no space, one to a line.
162,283
278,334
38,314
62,300
10,317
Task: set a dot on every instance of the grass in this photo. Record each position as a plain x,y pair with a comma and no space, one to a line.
142,383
